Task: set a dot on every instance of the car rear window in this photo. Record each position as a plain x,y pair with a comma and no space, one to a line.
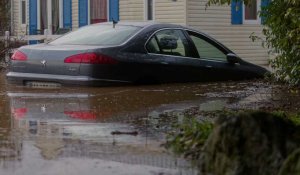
98,35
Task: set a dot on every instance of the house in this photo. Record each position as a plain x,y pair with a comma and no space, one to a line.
33,16
230,24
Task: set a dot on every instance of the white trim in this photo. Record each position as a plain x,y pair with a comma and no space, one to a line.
61,14
107,10
153,10
145,10
258,20
38,4
49,6
89,12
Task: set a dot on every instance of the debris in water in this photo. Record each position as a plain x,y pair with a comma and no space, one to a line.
134,133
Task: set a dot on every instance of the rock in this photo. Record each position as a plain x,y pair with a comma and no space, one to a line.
249,144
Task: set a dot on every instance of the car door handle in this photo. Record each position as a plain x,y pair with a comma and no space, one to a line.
208,66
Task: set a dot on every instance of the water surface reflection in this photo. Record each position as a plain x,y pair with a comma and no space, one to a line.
60,127
116,130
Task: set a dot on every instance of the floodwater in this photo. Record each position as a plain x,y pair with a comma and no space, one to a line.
108,130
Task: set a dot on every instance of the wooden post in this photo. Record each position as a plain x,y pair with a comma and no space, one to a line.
46,33
6,38
6,45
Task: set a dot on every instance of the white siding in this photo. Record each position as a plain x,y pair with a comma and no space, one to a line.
216,21
170,11
131,10
15,18
164,11
75,15
19,29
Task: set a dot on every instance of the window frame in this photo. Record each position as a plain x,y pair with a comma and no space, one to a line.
211,41
185,35
21,13
49,15
249,21
193,50
89,11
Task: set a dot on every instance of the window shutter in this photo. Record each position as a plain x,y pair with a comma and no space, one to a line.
67,14
32,19
236,12
83,12
114,10
264,3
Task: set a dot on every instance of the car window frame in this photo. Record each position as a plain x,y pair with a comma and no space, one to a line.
189,48
211,41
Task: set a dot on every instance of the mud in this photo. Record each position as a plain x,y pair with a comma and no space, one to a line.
114,130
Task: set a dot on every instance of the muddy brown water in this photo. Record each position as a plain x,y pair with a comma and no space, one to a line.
108,130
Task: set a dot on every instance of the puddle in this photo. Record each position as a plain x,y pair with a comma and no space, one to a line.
80,130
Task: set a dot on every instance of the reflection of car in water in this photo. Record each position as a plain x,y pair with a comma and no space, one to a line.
94,111
64,112
129,53
126,105
51,106
68,125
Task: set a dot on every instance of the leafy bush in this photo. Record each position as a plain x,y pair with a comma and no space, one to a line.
282,21
294,117
282,33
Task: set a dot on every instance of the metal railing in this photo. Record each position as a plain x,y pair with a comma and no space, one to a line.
8,39
45,37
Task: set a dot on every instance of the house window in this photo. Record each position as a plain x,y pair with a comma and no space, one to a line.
149,15
43,16
23,12
49,16
250,15
98,11
55,16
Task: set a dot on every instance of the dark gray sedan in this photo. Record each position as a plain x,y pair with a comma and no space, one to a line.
108,54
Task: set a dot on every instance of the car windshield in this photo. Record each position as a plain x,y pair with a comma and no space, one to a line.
98,35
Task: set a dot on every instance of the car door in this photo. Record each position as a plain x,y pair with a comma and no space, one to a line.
175,59
213,57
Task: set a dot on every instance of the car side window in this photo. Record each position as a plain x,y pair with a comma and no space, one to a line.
152,46
168,42
206,50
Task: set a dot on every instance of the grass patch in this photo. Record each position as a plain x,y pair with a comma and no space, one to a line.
188,138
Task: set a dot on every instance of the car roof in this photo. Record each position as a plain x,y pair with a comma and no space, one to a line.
143,24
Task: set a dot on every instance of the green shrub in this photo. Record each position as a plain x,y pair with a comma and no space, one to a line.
282,36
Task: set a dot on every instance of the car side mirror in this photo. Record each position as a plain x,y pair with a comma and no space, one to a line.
232,58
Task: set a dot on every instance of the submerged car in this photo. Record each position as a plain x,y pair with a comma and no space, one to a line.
123,53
